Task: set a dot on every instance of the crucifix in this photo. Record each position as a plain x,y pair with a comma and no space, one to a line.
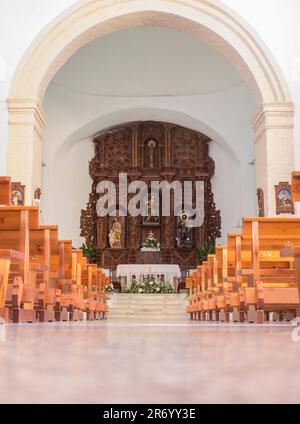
150,206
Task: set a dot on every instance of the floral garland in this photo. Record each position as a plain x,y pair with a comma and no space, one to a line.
151,242
150,286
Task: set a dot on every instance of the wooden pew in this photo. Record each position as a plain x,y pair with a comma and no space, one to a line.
91,296
192,307
64,266
7,257
273,286
72,302
79,268
102,307
296,186
43,248
248,273
15,226
222,283
46,280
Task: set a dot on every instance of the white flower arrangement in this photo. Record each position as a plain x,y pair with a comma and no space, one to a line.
151,242
150,286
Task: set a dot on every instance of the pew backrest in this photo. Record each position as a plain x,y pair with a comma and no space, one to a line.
5,191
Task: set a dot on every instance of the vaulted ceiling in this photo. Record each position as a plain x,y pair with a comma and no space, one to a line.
147,61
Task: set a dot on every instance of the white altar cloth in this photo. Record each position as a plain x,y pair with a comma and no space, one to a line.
169,272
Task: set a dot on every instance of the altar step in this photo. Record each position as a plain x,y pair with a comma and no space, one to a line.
171,307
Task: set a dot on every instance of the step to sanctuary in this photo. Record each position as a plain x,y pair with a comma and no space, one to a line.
171,307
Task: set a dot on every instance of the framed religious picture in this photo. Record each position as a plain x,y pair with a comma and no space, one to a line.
17,194
260,202
284,200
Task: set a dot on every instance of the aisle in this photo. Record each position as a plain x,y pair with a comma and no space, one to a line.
136,362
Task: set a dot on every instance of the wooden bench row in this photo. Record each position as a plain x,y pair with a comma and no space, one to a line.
256,274
43,278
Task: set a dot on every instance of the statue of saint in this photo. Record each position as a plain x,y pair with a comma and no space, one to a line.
115,235
16,198
150,208
37,197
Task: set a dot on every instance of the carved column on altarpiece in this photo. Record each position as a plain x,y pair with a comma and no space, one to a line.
102,233
88,219
133,237
213,216
168,158
135,146
168,237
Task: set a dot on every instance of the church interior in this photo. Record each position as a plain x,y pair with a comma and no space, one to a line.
149,202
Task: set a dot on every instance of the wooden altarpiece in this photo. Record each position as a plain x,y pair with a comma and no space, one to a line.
150,151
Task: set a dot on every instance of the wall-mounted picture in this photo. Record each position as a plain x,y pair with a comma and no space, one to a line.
284,200
17,194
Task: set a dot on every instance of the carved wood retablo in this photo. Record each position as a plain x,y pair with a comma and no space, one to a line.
150,151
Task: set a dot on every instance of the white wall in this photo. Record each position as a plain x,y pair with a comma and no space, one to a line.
73,117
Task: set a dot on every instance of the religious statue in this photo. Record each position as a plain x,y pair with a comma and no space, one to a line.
15,199
37,197
150,204
115,235
151,145
184,233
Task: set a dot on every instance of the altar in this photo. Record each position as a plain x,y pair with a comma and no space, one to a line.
167,273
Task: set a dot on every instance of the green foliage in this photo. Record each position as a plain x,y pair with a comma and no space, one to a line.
151,242
208,248
150,286
90,252
110,289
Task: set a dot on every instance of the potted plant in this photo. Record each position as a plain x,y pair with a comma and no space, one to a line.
90,252
207,248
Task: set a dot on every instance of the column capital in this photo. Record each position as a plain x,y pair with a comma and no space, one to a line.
26,110
273,116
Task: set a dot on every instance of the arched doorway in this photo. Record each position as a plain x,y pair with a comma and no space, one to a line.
214,23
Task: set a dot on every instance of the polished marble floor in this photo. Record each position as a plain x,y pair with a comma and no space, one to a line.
120,362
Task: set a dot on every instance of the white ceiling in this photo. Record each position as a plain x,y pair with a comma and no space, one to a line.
147,61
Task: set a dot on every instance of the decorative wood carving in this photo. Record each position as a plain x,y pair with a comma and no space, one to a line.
89,220
174,153
213,216
261,202
17,194
284,200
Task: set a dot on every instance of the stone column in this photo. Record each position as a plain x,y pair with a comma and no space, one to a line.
274,149
25,135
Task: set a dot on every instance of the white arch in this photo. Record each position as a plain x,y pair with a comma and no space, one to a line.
210,20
